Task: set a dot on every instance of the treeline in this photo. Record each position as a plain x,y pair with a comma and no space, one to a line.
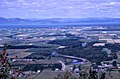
26,46
92,54
36,67
114,47
67,42
75,48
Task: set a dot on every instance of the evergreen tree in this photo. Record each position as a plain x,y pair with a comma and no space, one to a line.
79,67
74,67
114,63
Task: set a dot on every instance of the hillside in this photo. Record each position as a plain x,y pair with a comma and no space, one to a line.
60,21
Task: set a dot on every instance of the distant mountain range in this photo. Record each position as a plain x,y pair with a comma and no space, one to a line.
60,21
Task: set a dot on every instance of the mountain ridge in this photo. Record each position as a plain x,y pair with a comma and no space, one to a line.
58,21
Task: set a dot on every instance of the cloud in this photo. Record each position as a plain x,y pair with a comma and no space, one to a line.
60,8
114,3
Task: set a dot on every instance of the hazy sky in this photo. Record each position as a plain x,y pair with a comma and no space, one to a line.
59,8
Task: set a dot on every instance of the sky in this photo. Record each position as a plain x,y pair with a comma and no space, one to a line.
59,8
